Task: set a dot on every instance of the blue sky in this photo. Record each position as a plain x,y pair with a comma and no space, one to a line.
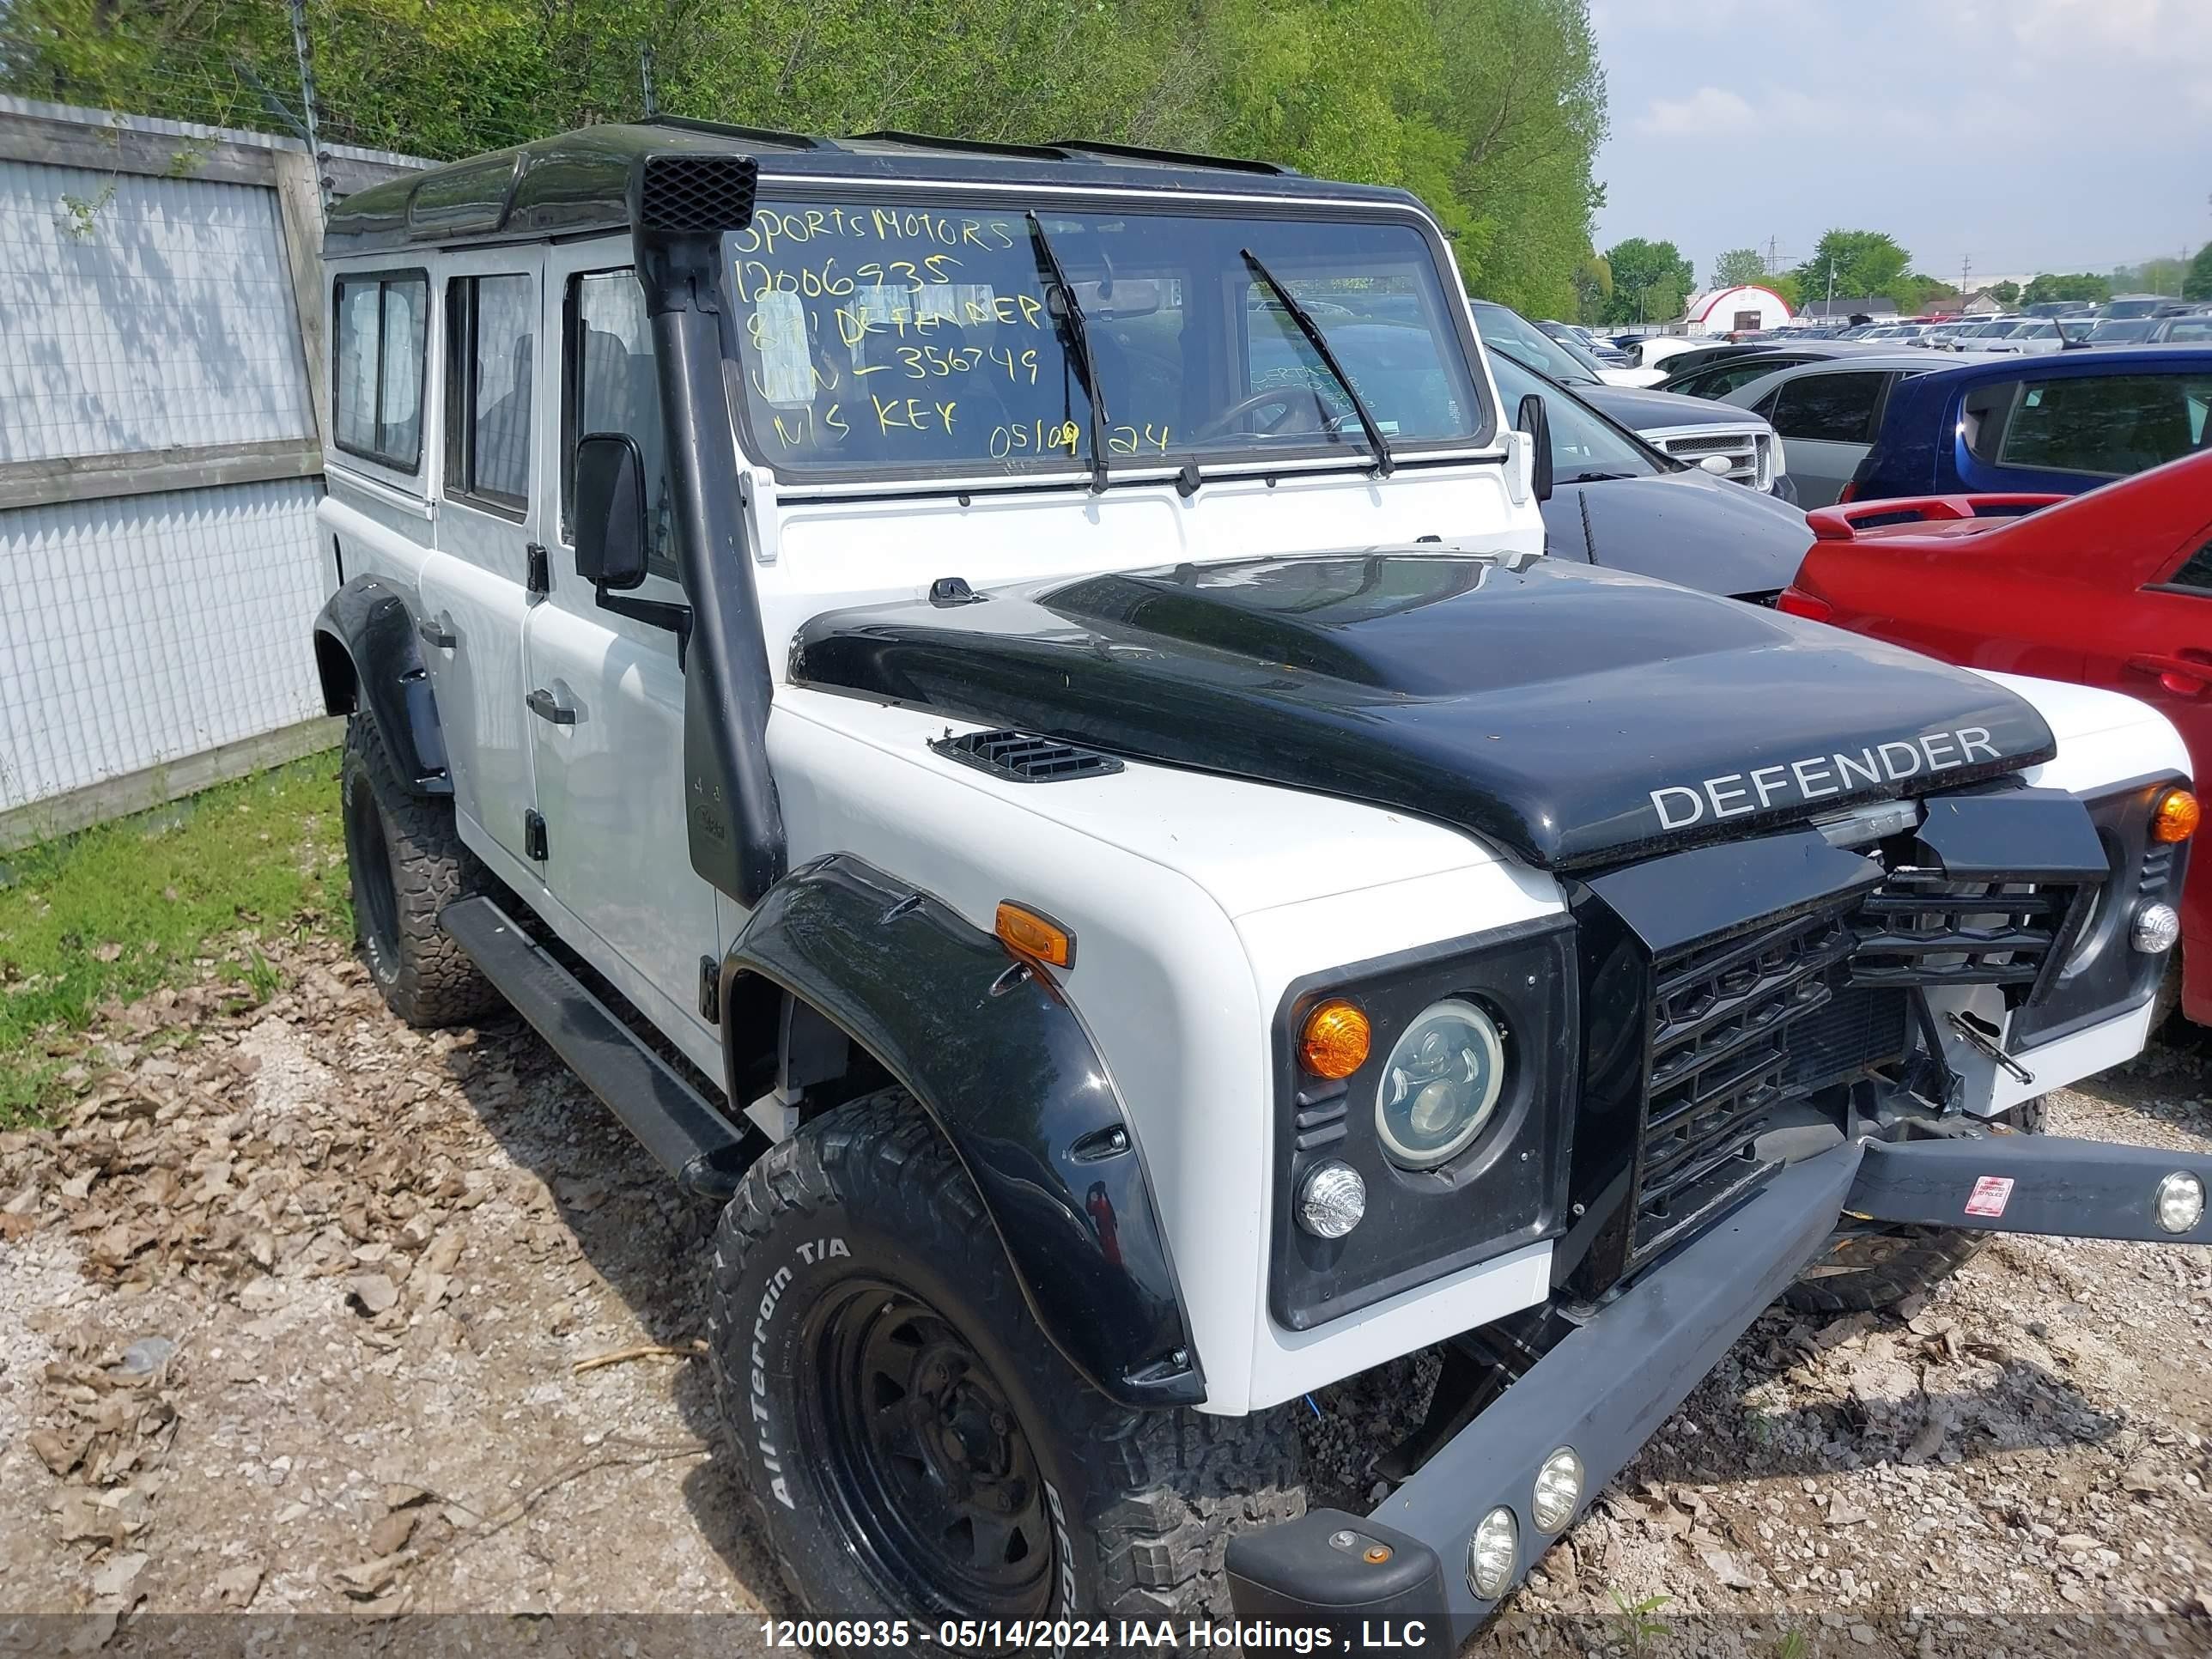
2030,135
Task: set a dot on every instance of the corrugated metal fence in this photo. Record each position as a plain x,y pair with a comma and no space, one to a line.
162,362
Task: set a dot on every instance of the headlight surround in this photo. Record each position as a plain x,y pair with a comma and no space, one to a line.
1441,1083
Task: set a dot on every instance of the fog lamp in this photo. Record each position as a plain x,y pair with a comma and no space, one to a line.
1331,1199
2157,928
1492,1553
2175,816
2180,1205
1559,1489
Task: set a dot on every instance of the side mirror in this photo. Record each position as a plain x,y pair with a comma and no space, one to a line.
1536,421
610,530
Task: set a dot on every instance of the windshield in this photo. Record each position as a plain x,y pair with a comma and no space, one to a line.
2108,333
1509,330
1585,446
885,339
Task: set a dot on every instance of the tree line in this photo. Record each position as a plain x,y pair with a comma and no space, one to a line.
1640,280
1491,111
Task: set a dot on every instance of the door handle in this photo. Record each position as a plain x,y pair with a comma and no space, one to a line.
2185,677
543,705
436,633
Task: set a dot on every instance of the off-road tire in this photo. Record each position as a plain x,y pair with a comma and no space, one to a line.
407,865
1870,1272
1140,1504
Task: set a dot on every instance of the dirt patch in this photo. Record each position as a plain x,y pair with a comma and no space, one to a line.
296,1314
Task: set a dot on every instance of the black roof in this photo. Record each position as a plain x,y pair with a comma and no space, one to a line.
589,179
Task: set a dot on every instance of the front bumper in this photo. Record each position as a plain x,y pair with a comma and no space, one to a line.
1605,1390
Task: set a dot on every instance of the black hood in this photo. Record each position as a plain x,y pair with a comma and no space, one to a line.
1576,716
1642,409
1686,526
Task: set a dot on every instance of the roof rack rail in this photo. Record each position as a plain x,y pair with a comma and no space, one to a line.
1176,157
727,130
979,146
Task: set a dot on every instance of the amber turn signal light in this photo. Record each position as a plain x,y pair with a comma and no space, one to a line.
1334,1043
2176,816
1034,936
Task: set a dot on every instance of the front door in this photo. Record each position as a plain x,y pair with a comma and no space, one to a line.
476,588
1827,422
609,741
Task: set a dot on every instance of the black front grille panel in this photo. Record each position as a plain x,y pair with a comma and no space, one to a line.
1924,929
1737,1028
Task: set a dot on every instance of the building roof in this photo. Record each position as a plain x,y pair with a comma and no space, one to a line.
1828,310
611,177
1702,306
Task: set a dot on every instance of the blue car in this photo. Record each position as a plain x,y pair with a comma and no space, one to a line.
2058,425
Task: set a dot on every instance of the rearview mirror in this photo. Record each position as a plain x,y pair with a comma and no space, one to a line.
610,533
1536,421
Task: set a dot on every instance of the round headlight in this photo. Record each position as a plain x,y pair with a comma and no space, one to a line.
1331,1199
1492,1553
1440,1084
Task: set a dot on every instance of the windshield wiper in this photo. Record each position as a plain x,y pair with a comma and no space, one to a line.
1311,330
1078,340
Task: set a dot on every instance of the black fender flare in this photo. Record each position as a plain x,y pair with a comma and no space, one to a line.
998,1060
370,657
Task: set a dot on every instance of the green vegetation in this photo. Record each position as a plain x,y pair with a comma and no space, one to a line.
2081,285
1490,110
2196,284
126,908
1652,281
1739,267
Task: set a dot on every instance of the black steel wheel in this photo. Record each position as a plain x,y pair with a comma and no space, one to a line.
937,1480
913,1446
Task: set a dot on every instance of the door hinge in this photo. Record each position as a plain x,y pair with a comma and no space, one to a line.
533,835
710,990
540,572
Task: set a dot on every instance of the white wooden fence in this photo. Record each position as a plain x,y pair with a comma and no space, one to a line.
161,368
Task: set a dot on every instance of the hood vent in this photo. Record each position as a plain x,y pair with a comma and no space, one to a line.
1025,759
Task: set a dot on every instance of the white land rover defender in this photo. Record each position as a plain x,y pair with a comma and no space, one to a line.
1033,670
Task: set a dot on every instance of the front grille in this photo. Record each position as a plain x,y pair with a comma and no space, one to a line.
1023,758
1924,929
1743,449
1731,1023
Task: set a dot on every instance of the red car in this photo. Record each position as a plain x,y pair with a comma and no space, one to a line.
2113,588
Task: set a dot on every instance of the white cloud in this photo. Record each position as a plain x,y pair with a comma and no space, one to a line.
1707,111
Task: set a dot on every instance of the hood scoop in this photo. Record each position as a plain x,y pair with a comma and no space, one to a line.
1577,716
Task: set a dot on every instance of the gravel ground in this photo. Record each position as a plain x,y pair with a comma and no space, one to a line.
376,1265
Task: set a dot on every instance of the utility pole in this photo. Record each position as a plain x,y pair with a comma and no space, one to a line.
1773,254
645,79
1965,273
308,118
1831,281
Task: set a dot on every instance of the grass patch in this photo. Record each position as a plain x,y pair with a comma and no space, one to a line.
123,909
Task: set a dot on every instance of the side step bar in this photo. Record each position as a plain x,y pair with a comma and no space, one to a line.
687,1136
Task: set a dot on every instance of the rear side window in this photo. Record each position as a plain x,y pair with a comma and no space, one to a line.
1829,408
613,387
2189,328
2110,425
491,331
2197,573
376,377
